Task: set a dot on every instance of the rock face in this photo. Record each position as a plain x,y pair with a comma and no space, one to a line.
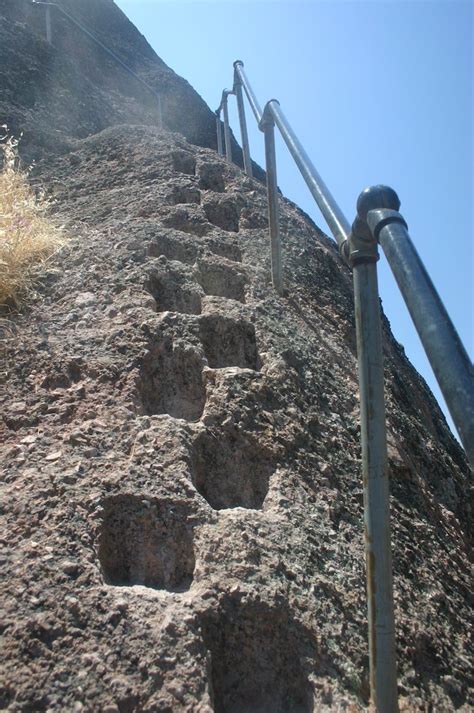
182,498
75,89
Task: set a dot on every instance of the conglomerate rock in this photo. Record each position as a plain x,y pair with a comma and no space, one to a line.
74,88
181,496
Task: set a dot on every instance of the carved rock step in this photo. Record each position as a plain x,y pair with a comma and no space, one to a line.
176,245
231,470
170,380
219,278
146,541
228,341
257,659
173,287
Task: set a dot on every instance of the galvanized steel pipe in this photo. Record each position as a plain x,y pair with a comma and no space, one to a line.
253,101
333,215
268,126
383,676
448,358
243,125
219,134
225,108
363,256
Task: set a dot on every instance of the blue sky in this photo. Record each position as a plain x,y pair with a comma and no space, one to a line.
378,92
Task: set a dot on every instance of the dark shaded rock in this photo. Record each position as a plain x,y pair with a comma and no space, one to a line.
74,89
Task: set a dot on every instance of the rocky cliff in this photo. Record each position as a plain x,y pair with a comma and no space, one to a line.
75,88
182,497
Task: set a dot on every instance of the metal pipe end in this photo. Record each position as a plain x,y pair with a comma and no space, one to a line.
238,62
267,118
375,197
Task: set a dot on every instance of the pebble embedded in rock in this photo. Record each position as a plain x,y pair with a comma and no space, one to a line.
85,299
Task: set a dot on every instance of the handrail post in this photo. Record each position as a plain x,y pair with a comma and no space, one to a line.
267,125
333,215
88,34
49,32
159,107
228,145
219,134
254,105
449,360
242,121
363,256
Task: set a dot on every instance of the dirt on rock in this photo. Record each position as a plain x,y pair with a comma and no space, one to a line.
181,501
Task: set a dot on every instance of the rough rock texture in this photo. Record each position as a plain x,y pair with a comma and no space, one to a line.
75,89
181,495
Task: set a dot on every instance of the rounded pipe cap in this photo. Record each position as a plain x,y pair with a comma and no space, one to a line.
376,197
238,61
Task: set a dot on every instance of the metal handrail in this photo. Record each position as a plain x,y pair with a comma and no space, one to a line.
383,671
378,221
417,289
378,207
89,34
253,101
338,224
224,107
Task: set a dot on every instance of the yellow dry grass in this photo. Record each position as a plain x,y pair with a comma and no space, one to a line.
27,235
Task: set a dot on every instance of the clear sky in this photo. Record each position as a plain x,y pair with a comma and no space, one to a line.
378,92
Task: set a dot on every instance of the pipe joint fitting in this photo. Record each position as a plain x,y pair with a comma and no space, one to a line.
361,247
377,219
376,197
267,118
377,206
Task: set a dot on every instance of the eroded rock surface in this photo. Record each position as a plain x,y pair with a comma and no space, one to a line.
181,500
75,89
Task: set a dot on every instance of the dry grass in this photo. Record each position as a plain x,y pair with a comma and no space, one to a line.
27,235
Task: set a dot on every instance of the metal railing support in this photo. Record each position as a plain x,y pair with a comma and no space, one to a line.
333,215
254,105
227,141
219,134
242,122
86,32
267,125
363,256
449,360
49,30
378,220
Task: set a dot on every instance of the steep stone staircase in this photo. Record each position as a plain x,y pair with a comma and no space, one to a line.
181,487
